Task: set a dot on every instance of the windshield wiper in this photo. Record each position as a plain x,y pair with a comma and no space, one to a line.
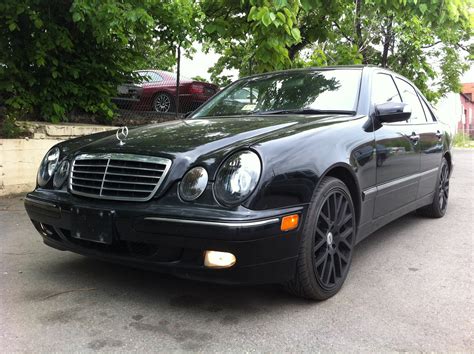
303,111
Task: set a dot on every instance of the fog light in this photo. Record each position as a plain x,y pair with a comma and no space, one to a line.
289,222
215,259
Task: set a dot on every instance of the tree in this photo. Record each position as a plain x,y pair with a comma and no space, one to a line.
424,40
421,39
199,78
59,56
251,35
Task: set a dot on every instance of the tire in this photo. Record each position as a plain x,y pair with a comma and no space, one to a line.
163,103
327,242
438,207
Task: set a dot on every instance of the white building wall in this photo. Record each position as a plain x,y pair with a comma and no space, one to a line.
449,110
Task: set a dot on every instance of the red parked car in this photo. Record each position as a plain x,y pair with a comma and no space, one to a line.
156,91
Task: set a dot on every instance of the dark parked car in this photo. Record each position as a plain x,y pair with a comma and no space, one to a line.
156,91
274,180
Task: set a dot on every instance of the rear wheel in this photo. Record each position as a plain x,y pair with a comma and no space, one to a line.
163,103
327,242
438,207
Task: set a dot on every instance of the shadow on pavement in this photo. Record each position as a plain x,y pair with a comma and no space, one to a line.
118,282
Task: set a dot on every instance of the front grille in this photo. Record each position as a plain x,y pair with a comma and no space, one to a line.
117,176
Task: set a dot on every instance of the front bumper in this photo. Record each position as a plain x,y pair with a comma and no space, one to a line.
151,236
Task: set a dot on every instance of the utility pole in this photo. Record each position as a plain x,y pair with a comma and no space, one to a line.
178,69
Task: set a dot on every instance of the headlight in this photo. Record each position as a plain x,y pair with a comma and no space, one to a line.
193,184
61,174
237,177
48,166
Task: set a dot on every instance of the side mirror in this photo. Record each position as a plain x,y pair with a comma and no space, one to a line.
390,112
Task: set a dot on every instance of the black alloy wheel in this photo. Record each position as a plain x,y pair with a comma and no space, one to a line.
443,188
438,207
333,241
327,243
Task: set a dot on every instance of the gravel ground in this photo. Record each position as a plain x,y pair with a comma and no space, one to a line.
410,289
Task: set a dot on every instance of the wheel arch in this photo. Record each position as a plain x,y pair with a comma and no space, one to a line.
447,156
346,174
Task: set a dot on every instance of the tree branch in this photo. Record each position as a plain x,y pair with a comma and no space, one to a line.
431,45
342,32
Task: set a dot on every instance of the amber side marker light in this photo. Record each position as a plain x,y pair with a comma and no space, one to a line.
216,259
289,222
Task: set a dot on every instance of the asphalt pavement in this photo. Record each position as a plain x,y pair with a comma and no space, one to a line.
410,289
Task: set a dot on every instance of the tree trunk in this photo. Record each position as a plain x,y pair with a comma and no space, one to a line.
358,28
295,49
387,42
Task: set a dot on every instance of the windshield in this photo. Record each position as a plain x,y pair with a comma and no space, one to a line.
302,92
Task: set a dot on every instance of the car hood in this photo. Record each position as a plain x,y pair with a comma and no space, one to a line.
198,141
194,137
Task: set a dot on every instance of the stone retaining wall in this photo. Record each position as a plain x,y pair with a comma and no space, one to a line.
20,158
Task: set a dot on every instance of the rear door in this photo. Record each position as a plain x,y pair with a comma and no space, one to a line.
431,137
432,151
398,153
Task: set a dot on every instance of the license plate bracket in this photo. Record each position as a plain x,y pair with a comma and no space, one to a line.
94,225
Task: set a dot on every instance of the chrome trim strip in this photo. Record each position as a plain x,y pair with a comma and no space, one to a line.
40,202
429,171
394,182
105,173
216,223
397,181
118,156
369,193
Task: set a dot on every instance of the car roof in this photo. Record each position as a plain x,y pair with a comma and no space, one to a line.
167,74
319,68
156,71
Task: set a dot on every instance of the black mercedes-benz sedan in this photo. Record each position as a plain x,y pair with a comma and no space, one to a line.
274,180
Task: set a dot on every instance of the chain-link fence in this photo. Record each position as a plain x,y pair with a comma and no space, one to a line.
158,95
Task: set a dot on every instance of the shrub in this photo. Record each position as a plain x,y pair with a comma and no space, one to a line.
59,56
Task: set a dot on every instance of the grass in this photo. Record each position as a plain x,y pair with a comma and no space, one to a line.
463,140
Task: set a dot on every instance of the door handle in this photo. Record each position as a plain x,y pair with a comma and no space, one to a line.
439,135
414,138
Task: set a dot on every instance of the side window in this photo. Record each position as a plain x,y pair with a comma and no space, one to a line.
384,89
150,76
145,76
428,114
409,96
155,77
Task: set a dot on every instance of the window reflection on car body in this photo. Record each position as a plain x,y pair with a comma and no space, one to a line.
302,111
282,112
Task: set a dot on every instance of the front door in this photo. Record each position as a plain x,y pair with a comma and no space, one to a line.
398,153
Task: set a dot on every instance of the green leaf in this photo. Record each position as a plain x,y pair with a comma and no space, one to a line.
210,28
295,32
266,19
57,108
306,4
281,3
252,13
281,17
38,23
40,61
423,8
76,17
